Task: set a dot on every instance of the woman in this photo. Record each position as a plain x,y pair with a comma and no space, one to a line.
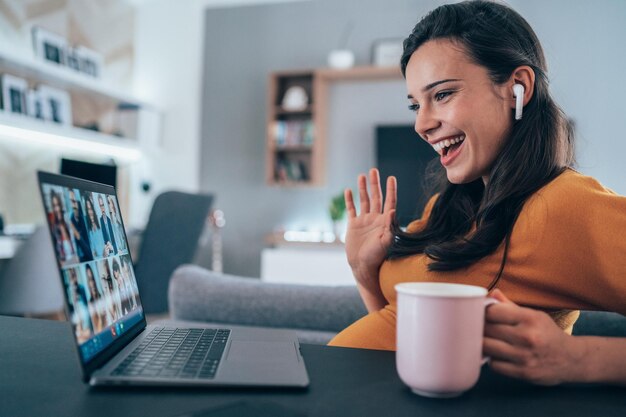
60,232
98,247
122,296
78,306
510,212
109,293
129,281
118,228
97,309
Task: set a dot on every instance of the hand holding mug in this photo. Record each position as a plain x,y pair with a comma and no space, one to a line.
526,343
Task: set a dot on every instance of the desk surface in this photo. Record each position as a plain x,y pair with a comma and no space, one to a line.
40,375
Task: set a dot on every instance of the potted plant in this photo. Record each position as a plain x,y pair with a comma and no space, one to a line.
337,210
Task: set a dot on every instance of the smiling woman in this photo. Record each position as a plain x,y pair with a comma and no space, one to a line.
510,211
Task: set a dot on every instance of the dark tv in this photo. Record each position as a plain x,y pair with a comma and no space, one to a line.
101,173
402,153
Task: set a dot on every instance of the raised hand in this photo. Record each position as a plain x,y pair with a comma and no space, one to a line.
369,233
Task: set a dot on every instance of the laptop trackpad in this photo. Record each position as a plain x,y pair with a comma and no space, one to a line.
247,351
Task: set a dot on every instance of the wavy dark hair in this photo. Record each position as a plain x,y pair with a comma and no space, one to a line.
538,149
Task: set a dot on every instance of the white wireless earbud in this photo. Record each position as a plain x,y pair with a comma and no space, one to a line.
518,92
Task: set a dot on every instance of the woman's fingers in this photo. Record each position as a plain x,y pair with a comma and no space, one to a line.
377,194
363,196
392,194
347,196
498,350
505,313
514,335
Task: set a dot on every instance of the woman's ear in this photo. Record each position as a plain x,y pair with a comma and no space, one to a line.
524,76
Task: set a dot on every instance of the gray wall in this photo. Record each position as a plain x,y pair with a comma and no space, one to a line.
582,41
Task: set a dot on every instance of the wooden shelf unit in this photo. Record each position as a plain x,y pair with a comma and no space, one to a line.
303,162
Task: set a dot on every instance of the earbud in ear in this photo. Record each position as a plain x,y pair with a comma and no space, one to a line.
518,92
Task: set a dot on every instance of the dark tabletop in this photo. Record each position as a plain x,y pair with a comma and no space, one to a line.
40,376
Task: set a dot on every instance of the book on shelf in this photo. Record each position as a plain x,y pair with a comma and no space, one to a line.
293,133
291,170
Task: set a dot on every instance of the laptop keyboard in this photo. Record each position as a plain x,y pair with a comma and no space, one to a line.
176,353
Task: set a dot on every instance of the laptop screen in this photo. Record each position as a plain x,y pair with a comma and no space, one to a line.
92,251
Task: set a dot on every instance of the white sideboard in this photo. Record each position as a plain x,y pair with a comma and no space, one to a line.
306,264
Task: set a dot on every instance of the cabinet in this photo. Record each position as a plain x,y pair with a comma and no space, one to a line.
297,128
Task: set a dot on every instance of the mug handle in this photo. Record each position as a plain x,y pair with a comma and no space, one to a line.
488,301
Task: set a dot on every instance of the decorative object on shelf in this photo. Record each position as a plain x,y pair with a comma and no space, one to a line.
54,48
57,105
90,62
14,91
34,104
72,59
342,57
387,52
49,46
337,210
295,99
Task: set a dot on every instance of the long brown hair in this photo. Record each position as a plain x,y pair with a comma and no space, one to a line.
538,149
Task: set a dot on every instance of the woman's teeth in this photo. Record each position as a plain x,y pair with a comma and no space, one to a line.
440,146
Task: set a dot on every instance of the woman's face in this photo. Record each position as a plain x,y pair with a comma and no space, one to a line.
455,100
57,208
92,284
90,212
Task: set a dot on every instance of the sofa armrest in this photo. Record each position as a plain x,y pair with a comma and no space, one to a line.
200,295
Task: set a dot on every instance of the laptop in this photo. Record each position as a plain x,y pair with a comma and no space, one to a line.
115,345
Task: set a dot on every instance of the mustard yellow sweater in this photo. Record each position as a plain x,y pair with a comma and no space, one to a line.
567,253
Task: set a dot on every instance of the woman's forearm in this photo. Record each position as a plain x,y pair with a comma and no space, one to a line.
604,360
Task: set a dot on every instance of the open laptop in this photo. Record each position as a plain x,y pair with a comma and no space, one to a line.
115,345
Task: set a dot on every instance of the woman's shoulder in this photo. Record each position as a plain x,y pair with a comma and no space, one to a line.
571,196
571,189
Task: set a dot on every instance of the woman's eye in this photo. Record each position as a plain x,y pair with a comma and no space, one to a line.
414,107
441,95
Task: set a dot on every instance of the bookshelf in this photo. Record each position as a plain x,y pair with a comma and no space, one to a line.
296,137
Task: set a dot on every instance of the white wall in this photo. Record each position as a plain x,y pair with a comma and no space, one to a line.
583,43
169,46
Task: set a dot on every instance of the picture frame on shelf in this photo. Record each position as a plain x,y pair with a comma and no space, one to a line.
34,104
49,46
387,52
14,90
56,105
72,59
89,61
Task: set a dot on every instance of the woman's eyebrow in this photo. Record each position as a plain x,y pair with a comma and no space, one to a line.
435,84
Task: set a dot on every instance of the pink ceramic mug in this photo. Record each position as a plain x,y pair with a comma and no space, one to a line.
439,336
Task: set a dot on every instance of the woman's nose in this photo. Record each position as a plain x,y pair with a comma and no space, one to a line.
426,122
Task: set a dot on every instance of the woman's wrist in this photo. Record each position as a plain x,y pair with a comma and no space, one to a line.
600,360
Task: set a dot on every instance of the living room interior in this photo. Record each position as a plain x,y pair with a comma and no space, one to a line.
187,97
230,129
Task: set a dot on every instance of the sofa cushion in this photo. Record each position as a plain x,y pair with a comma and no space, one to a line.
201,295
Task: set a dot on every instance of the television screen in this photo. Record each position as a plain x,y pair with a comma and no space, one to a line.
401,152
101,173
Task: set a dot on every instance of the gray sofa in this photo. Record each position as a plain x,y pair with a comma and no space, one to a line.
316,313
